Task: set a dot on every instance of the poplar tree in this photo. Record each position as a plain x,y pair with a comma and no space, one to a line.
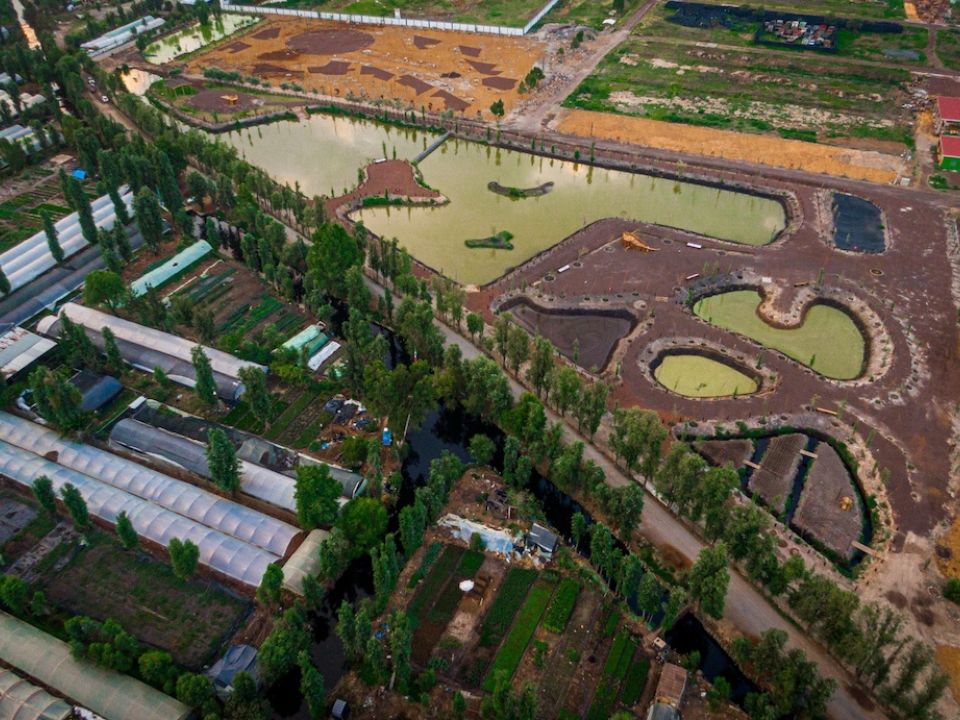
76,506
42,488
149,219
52,241
183,558
222,460
126,533
205,385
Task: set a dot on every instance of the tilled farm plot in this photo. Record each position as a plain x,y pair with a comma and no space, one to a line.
721,452
435,70
829,508
773,480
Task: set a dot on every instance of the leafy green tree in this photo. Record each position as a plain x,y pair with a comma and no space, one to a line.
672,607
203,323
157,669
104,287
486,391
53,242
506,703
541,364
333,252
475,326
363,521
518,348
57,400
184,556
316,496
255,393
193,689
951,590
709,578
244,703
38,604
482,449
578,528
497,109
592,407
401,649
501,335
270,585
405,393
636,438
112,351
279,652
648,595
679,477
565,388
42,488
78,349
205,385
149,218
126,533
459,706
222,460
335,554
312,686
14,594
76,506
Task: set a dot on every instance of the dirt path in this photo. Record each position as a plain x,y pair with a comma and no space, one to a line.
534,116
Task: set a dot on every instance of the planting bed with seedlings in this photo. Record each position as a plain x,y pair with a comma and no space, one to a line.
21,215
773,480
189,620
721,452
439,71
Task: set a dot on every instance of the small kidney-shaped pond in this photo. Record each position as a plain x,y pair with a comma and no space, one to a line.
695,375
828,341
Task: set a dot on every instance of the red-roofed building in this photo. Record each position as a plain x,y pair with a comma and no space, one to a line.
950,152
948,114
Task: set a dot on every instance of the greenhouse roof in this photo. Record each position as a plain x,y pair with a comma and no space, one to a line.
304,561
256,481
179,497
20,348
22,700
177,264
309,333
105,692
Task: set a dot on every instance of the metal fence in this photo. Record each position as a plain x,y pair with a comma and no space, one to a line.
422,24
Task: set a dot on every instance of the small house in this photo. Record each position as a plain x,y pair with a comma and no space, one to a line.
237,659
544,540
950,152
671,685
947,114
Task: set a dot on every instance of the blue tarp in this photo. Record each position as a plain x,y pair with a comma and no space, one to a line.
387,437
79,174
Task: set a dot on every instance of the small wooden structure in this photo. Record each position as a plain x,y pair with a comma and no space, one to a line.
230,99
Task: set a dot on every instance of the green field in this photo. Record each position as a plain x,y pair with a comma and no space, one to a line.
694,375
886,9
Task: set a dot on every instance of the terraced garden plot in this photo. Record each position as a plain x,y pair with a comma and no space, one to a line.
830,509
524,625
773,481
430,629
615,669
721,452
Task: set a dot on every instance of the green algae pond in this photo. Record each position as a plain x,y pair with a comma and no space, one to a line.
195,37
581,194
698,376
324,153
828,341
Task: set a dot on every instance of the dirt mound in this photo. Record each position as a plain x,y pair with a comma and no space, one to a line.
279,56
330,41
500,83
418,85
453,74
271,33
470,51
452,101
236,46
378,73
422,43
334,67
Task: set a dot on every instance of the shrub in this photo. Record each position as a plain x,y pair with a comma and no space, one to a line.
951,591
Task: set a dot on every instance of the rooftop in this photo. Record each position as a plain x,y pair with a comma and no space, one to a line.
949,108
672,683
950,146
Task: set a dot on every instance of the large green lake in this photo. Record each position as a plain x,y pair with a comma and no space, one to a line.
829,342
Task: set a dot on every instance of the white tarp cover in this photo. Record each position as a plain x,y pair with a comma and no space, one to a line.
247,525
108,693
304,561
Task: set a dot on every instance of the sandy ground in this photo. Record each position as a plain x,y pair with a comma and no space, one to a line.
776,152
435,70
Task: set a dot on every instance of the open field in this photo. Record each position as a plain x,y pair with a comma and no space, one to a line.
455,72
189,620
800,95
739,147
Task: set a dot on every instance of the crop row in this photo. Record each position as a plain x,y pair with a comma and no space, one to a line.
614,671
560,610
509,598
522,630
441,571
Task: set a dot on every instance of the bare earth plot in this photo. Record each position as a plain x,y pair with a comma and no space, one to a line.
456,72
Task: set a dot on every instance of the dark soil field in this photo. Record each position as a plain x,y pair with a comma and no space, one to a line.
778,466
189,620
829,507
721,452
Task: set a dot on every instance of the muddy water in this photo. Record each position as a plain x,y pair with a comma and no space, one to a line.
828,342
581,194
700,377
139,81
323,153
195,37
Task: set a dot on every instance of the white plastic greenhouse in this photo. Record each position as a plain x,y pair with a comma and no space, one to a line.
31,258
176,496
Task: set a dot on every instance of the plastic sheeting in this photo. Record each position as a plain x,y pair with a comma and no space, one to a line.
256,481
22,700
177,264
223,553
107,693
213,511
304,561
